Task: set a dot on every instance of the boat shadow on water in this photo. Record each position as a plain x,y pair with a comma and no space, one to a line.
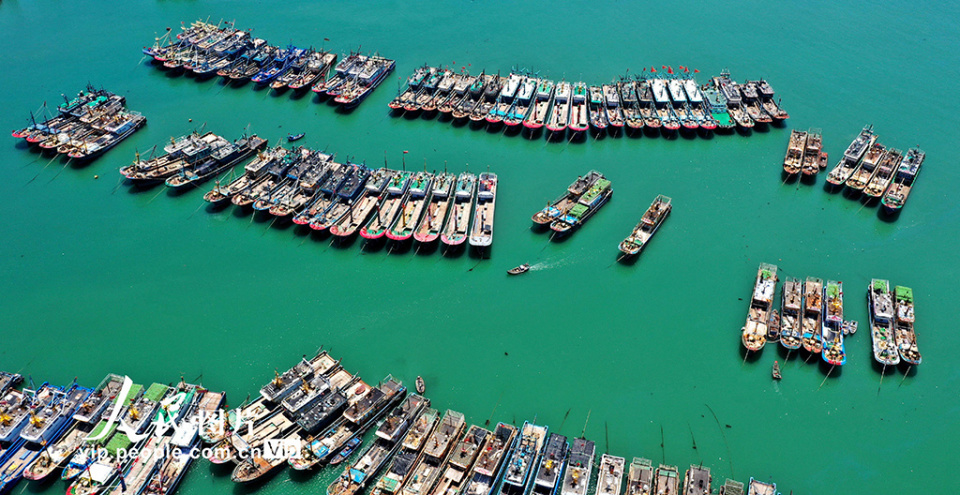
886,216
785,354
749,356
886,370
479,253
426,248
746,132
851,194
828,369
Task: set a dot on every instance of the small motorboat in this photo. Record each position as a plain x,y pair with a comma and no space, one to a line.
421,387
524,268
347,450
776,371
295,137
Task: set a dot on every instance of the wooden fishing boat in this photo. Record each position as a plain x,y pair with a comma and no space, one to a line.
850,161
541,105
791,304
441,198
567,200
812,318
812,152
906,336
834,351
881,308
517,270
388,211
650,222
667,479
896,195
885,172
868,167
412,209
697,480
370,200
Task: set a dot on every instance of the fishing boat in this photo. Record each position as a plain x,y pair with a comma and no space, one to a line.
466,105
667,479
112,132
648,109
346,68
257,466
284,384
882,312
517,270
576,478
541,106
320,421
185,444
373,72
632,115
791,303
697,106
567,200
523,103
492,88
773,326
868,168
408,94
526,456
757,487
444,89
662,106
587,205
412,208
8,381
775,371
253,173
389,209
404,461
316,69
427,89
751,103
614,111
481,234
697,481
680,106
754,332
812,318
302,185
811,154
650,222
353,181
181,152
360,202
880,181
458,221
833,352
441,197
850,161
274,176
224,157
461,460
435,453
579,121
298,62
597,109
640,477
793,161
282,59
505,100
460,92
547,480
906,336
896,195
491,462
610,475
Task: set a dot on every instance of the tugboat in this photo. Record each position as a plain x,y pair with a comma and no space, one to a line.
880,304
579,470
812,315
851,157
896,195
658,211
754,332
833,348
906,336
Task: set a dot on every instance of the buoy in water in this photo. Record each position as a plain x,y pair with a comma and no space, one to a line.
189,120
96,176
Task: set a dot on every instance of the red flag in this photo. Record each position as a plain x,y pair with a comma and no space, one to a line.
682,67
670,70
685,69
405,152
663,66
696,71
652,69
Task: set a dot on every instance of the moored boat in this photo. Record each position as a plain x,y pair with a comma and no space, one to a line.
882,312
547,477
481,234
491,461
441,197
793,162
791,303
458,221
587,205
412,208
435,454
579,121
697,481
757,487
576,478
812,318
754,332
541,106
905,333
812,152
850,161
896,195
640,477
868,167
524,459
610,475
567,200
834,351
388,210
885,172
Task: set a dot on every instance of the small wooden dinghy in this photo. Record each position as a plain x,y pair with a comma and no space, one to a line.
295,137
524,268
776,371
421,387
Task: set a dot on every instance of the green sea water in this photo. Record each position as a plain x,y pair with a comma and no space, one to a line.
99,278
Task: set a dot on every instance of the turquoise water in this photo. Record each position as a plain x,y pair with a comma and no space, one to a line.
100,278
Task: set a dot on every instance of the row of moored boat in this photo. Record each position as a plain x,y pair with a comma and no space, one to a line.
208,50
810,317
324,413
526,101
85,127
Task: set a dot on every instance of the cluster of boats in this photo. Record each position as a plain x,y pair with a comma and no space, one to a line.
89,435
192,159
311,188
522,100
810,316
805,154
582,199
875,172
208,50
85,127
